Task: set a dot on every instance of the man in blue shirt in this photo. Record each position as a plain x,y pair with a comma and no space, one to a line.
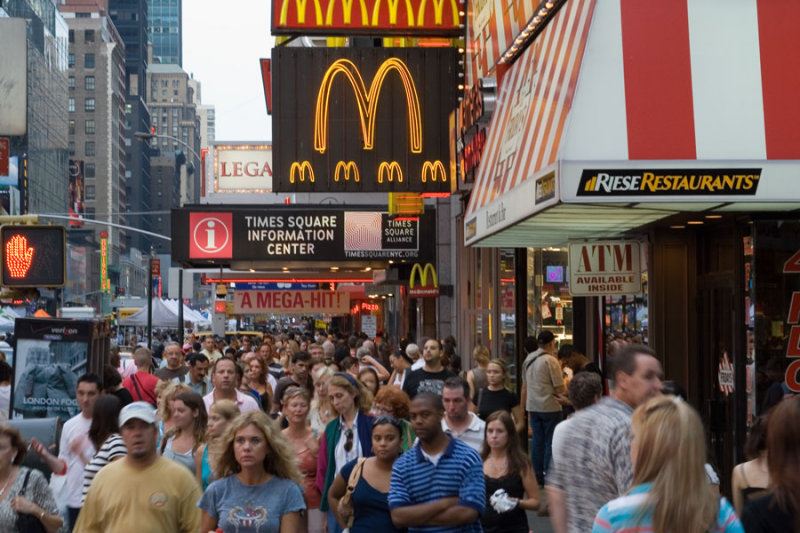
438,485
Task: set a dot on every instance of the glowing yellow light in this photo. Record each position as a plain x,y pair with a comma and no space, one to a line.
344,169
433,170
367,102
387,170
298,171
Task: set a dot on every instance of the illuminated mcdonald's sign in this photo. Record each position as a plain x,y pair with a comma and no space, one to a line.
389,171
374,17
301,171
364,120
424,290
346,169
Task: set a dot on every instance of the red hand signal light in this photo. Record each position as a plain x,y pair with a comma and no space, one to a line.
18,256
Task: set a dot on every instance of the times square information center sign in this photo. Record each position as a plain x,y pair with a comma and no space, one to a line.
217,236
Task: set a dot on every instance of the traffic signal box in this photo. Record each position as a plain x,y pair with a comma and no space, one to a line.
33,256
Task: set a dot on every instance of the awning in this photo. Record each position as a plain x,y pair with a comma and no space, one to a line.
622,112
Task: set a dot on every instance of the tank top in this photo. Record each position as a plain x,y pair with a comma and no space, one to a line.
307,464
513,521
186,459
479,378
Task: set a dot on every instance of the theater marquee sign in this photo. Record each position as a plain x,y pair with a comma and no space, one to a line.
363,119
215,236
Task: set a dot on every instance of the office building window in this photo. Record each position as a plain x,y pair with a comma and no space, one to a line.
89,213
89,104
88,60
71,60
89,127
88,170
72,36
71,82
89,148
72,148
89,190
71,104
88,36
72,127
89,80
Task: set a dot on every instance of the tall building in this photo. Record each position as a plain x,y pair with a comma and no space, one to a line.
165,30
208,124
42,152
130,18
175,170
97,117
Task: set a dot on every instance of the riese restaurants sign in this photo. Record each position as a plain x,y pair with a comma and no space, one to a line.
363,119
211,235
373,17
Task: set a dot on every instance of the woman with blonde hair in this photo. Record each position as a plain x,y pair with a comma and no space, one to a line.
220,416
258,488
322,410
346,438
305,443
476,377
166,392
670,488
189,432
497,395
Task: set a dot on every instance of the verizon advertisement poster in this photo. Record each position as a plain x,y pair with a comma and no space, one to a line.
291,302
218,237
604,267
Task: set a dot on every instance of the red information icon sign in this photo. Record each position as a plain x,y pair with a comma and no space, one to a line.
210,235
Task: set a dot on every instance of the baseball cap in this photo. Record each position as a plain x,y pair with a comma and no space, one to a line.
141,410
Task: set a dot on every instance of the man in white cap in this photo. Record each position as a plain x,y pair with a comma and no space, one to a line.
143,491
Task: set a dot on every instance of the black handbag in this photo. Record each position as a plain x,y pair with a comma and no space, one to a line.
27,523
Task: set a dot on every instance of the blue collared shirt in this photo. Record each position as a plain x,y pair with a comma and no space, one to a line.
459,472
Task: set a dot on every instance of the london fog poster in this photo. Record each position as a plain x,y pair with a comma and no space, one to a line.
50,356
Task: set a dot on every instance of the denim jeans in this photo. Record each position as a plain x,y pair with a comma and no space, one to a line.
542,426
333,526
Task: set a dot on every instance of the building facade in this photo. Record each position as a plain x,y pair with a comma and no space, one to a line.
165,31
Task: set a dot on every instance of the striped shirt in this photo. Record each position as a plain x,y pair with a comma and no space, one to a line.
596,466
112,448
458,472
623,514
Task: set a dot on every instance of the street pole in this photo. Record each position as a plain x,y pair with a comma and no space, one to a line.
180,306
150,303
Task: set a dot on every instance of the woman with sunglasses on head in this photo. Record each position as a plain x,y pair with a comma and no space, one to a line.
506,466
346,438
670,487
305,444
369,506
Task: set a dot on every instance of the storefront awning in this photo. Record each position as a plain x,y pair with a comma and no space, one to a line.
622,112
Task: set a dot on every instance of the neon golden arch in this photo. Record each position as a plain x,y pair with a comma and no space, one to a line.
438,8
388,171
298,171
344,170
301,11
393,12
367,102
347,12
422,272
433,170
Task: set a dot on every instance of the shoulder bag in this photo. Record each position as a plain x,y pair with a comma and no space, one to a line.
347,499
27,523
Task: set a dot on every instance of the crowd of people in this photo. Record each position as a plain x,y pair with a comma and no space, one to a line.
321,434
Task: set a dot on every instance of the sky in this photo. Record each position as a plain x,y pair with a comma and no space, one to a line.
222,45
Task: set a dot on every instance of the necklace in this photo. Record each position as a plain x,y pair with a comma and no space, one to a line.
501,467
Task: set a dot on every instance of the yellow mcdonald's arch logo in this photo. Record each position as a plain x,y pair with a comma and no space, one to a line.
301,11
367,102
433,170
393,12
347,12
424,290
299,172
389,170
438,11
344,169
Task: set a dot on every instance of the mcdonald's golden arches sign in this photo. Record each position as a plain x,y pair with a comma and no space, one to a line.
363,119
373,17
423,282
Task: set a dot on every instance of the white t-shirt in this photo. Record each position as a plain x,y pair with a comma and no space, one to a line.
419,363
68,489
559,436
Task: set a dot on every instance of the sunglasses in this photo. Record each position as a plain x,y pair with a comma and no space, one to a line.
348,442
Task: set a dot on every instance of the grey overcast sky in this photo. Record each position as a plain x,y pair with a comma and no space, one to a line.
222,43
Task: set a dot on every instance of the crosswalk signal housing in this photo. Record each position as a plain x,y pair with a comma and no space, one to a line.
33,256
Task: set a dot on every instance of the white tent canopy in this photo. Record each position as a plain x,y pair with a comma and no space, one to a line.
165,315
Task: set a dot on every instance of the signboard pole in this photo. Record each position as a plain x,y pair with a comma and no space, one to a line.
180,306
150,304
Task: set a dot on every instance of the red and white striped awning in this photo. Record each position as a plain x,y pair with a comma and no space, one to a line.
633,86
